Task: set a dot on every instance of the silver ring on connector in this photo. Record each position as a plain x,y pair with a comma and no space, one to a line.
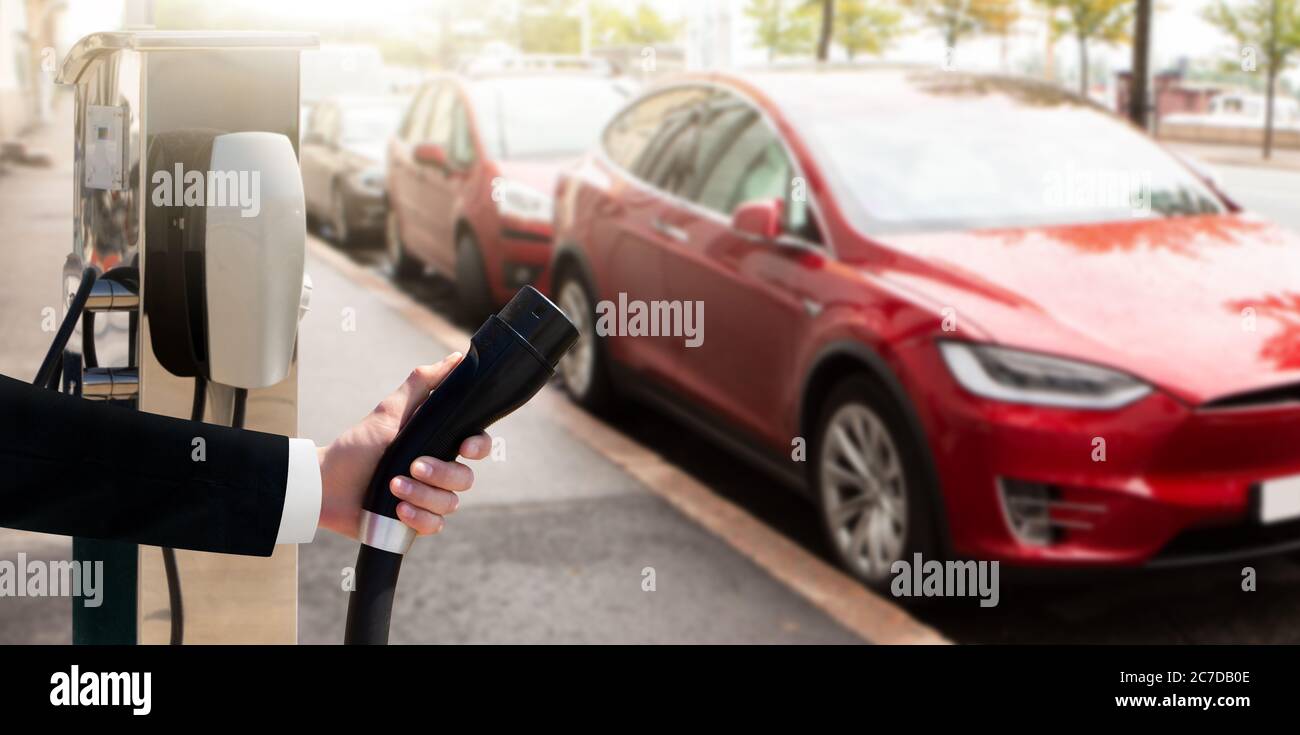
387,534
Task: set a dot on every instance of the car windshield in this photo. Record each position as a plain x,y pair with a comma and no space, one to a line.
370,124
540,117
993,158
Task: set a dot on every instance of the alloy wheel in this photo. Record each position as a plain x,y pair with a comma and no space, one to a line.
863,491
578,367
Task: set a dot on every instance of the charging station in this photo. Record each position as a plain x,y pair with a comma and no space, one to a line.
204,324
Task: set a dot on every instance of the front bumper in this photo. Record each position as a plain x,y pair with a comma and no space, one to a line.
521,254
366,211
1155,482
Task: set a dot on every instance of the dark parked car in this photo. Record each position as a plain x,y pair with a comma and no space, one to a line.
342,158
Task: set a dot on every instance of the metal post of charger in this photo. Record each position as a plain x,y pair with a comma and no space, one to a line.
129,88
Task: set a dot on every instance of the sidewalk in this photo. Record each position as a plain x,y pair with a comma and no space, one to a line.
1230,155
36,232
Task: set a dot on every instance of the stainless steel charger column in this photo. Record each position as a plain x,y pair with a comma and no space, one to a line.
132,87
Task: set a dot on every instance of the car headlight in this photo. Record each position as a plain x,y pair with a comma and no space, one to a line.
1025,377
522,202
370,182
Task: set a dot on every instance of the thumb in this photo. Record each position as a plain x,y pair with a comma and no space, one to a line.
422,380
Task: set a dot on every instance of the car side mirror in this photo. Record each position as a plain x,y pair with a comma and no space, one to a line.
760,218
432,154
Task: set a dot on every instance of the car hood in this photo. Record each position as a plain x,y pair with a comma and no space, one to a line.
366,154
1204,307
538,173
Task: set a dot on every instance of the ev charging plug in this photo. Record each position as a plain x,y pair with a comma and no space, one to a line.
509,359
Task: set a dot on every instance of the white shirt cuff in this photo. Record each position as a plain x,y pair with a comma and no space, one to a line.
302,495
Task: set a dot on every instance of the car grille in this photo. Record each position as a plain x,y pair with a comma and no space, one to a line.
1280,395
1223,543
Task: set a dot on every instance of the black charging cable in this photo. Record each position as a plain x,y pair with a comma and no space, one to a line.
175,600
237,413
50,372
51,369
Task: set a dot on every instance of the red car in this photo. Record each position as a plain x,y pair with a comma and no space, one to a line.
471,170
972,317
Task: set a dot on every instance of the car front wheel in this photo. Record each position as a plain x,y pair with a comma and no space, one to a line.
404,266
868,482
583,370
474,298
339,219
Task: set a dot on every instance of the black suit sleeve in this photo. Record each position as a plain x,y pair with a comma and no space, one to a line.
82,468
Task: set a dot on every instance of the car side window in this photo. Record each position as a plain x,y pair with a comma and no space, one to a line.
744,171
314,122
627,139
414,125
462,138
755,166
721,120
668,160
441,120
330,127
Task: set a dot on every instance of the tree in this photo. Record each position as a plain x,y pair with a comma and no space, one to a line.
1270,29
998,18
827,27
863,26
643,27
548,27
778,31
951,17
1107,21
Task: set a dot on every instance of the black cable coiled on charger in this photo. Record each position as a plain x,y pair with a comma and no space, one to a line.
50,374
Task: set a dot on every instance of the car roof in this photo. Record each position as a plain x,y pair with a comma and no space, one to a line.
348,102
533,65
829,91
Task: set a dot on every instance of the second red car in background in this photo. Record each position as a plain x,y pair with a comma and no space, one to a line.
473,166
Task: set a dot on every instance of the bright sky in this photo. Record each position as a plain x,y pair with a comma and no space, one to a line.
1180,30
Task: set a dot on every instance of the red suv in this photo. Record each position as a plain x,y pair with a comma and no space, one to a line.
970,316
471,171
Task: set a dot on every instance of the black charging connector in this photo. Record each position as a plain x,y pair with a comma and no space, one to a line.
509,359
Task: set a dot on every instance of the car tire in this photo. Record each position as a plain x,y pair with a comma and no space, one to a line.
584,371
869,482
473,297
339,228
404,267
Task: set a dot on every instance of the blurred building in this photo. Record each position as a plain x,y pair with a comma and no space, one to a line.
18,104
1172,93
713,35
34,37
1209,112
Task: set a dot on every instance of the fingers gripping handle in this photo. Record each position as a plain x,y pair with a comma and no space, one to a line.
509,359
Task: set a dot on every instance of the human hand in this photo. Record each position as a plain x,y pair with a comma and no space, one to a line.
428,494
